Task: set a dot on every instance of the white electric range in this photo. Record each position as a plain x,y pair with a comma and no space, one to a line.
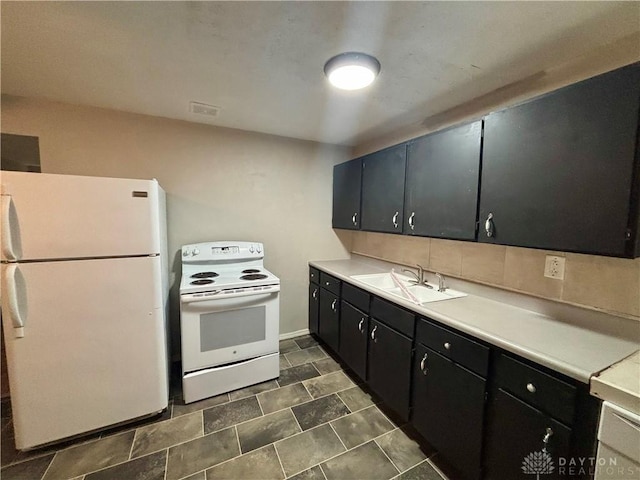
229,318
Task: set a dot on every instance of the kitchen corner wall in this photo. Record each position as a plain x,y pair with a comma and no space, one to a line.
221,184
602,283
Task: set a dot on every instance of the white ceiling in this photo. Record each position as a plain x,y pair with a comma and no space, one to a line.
262,62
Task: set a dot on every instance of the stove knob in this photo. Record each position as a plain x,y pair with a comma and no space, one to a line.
251,248
258,248
195,252
185,253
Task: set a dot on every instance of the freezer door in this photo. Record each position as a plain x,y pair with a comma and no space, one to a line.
47,216
88,348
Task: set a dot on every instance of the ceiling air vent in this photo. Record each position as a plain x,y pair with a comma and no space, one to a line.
203,109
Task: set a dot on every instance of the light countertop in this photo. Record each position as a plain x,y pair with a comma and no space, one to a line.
620,383
575,350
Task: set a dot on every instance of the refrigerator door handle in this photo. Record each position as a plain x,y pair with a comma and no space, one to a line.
15,299
9,229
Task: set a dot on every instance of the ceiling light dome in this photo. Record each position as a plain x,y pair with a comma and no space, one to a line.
352,70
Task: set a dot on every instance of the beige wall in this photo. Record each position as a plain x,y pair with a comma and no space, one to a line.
221,184
602,283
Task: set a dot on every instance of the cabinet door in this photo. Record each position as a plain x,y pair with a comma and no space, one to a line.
347,179
383,190
389,366
329,318
314,307
448,409
441,191
515,447
557,172
354,328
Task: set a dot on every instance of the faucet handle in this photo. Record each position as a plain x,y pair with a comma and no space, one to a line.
441,286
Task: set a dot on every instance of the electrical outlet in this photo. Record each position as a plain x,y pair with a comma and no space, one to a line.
554,267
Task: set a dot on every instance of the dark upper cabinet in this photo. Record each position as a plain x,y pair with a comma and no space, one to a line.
441,190
347,181
558,171
383,175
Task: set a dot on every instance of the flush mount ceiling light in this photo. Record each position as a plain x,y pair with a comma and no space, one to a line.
351,70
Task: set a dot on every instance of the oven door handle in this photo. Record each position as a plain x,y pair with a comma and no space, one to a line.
192,298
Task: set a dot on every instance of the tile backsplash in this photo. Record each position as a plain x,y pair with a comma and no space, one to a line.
602,283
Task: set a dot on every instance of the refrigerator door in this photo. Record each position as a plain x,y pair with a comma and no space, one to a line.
87,347
47,216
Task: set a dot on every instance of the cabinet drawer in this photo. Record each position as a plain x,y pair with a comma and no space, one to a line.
330,283
356,297
550,394
314,275
395,317
462,350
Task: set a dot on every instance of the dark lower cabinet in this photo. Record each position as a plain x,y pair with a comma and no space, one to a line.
314,307
329,319
515,441
448,409
389,373
354,328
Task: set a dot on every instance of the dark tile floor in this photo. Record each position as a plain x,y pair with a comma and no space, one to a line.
314,422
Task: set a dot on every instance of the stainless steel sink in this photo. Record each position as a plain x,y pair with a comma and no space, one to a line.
421,293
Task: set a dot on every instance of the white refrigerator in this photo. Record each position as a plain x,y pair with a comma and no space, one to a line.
84,293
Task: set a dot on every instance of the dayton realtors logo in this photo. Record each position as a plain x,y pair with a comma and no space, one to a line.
538,463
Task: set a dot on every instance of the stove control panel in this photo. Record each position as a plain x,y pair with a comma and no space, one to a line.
222,251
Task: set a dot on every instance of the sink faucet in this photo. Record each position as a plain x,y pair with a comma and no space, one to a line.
441,285
419,276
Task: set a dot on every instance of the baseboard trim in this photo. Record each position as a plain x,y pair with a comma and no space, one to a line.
286,336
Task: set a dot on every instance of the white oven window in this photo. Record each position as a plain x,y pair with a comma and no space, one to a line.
232,328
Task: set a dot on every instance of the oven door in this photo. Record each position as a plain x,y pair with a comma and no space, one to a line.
227,330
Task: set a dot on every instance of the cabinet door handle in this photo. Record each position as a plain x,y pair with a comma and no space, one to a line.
531,387
373,333
333,305
413,214
488,225
447,346
360,325
395,219
423,365
354,219
546,438
315,294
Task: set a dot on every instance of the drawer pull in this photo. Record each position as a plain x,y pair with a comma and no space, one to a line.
423,366
315,293
373,334
333,305
394,220
531,387
327,283
354,219
447,346
360,325
546,438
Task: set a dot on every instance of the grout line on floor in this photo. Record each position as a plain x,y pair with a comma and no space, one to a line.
279,460
235,428
334,431
438,471
296,419
50,463
324,475
166,465
133,442
385,453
